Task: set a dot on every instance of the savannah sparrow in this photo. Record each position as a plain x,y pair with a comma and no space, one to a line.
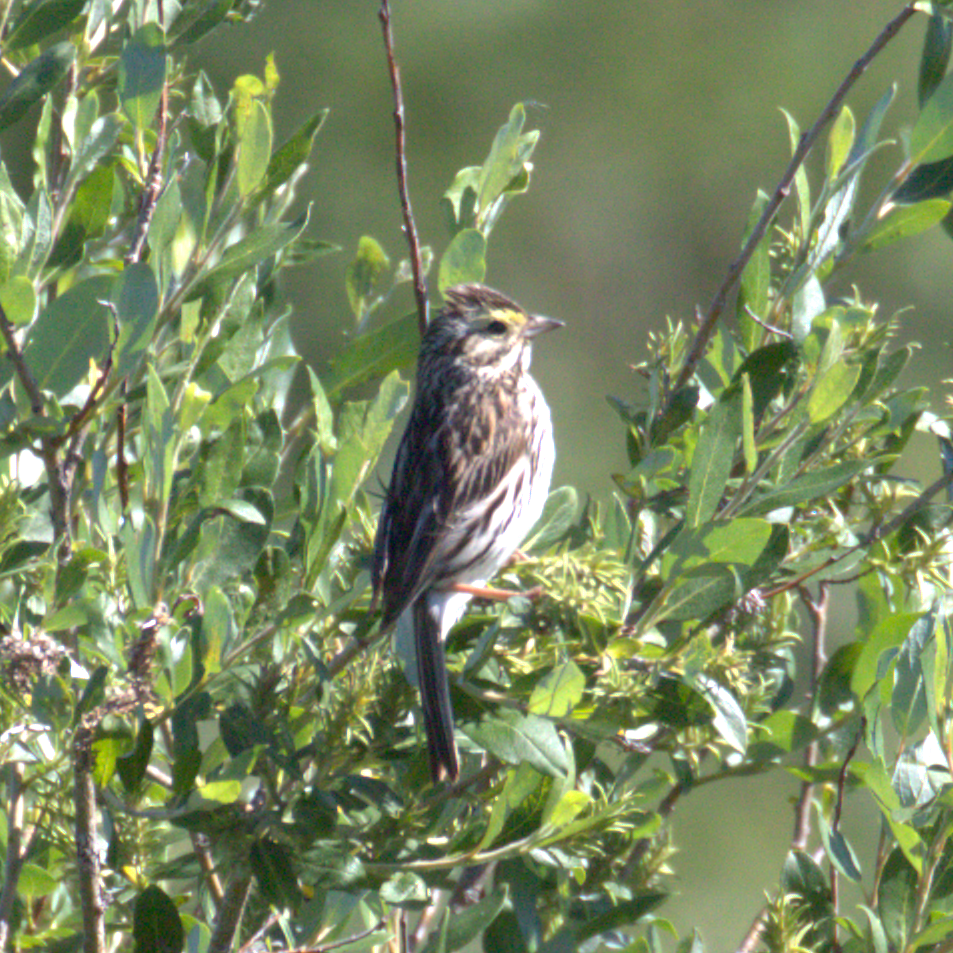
470,479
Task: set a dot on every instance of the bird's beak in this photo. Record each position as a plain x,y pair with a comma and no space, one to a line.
537,324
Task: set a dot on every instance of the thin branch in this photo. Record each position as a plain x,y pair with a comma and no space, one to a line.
755,931
153,184
804,146
410,228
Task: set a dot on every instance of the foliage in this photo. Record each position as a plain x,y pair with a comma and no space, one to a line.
204,739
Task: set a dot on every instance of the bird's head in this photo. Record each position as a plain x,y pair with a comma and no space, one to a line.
484,329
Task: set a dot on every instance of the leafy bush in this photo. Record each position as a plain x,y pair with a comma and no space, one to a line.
205,739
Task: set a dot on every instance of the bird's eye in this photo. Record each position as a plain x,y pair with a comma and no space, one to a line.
497,327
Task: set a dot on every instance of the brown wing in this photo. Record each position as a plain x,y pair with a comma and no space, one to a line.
453,453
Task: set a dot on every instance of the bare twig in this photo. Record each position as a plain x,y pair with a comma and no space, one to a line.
753,936
153,185
804,146
410,228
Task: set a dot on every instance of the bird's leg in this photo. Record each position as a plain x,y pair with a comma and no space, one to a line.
496,595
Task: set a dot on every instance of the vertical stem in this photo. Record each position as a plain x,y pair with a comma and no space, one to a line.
230,913
410,227
14,860
817,609
87,860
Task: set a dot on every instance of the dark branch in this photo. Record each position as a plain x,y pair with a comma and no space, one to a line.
804,146
87,859
410,228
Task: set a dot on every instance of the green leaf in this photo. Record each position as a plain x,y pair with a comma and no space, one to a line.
839,851
254,148
784,732
68,332
505,167
373,354
156,924
36,79
459,201
248,253
801,186
713,457
39,20
37,235
740,541
34,881
897,899
271,863
292,154
515,738
756,278
840,142
698,593
100,141
160,446
363,273
142,68
937,44
197,19
767,370
131,767
728,718
832,391
929,181
880,650
902,221
463,927
136,300
18,300
559,514
932,136
621,915
818,484
463,261
558,692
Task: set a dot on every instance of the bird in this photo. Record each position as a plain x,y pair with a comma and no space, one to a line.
470,479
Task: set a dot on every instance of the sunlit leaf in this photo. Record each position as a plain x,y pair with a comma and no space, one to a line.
932,136
903,221
464,260
142,66
515,738
714,457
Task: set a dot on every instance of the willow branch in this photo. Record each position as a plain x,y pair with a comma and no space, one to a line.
229,915
410,227
804,146
87,859
15,855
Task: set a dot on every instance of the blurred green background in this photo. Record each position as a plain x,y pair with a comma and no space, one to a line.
659,122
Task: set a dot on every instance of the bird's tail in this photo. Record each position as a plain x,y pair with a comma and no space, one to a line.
435,693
